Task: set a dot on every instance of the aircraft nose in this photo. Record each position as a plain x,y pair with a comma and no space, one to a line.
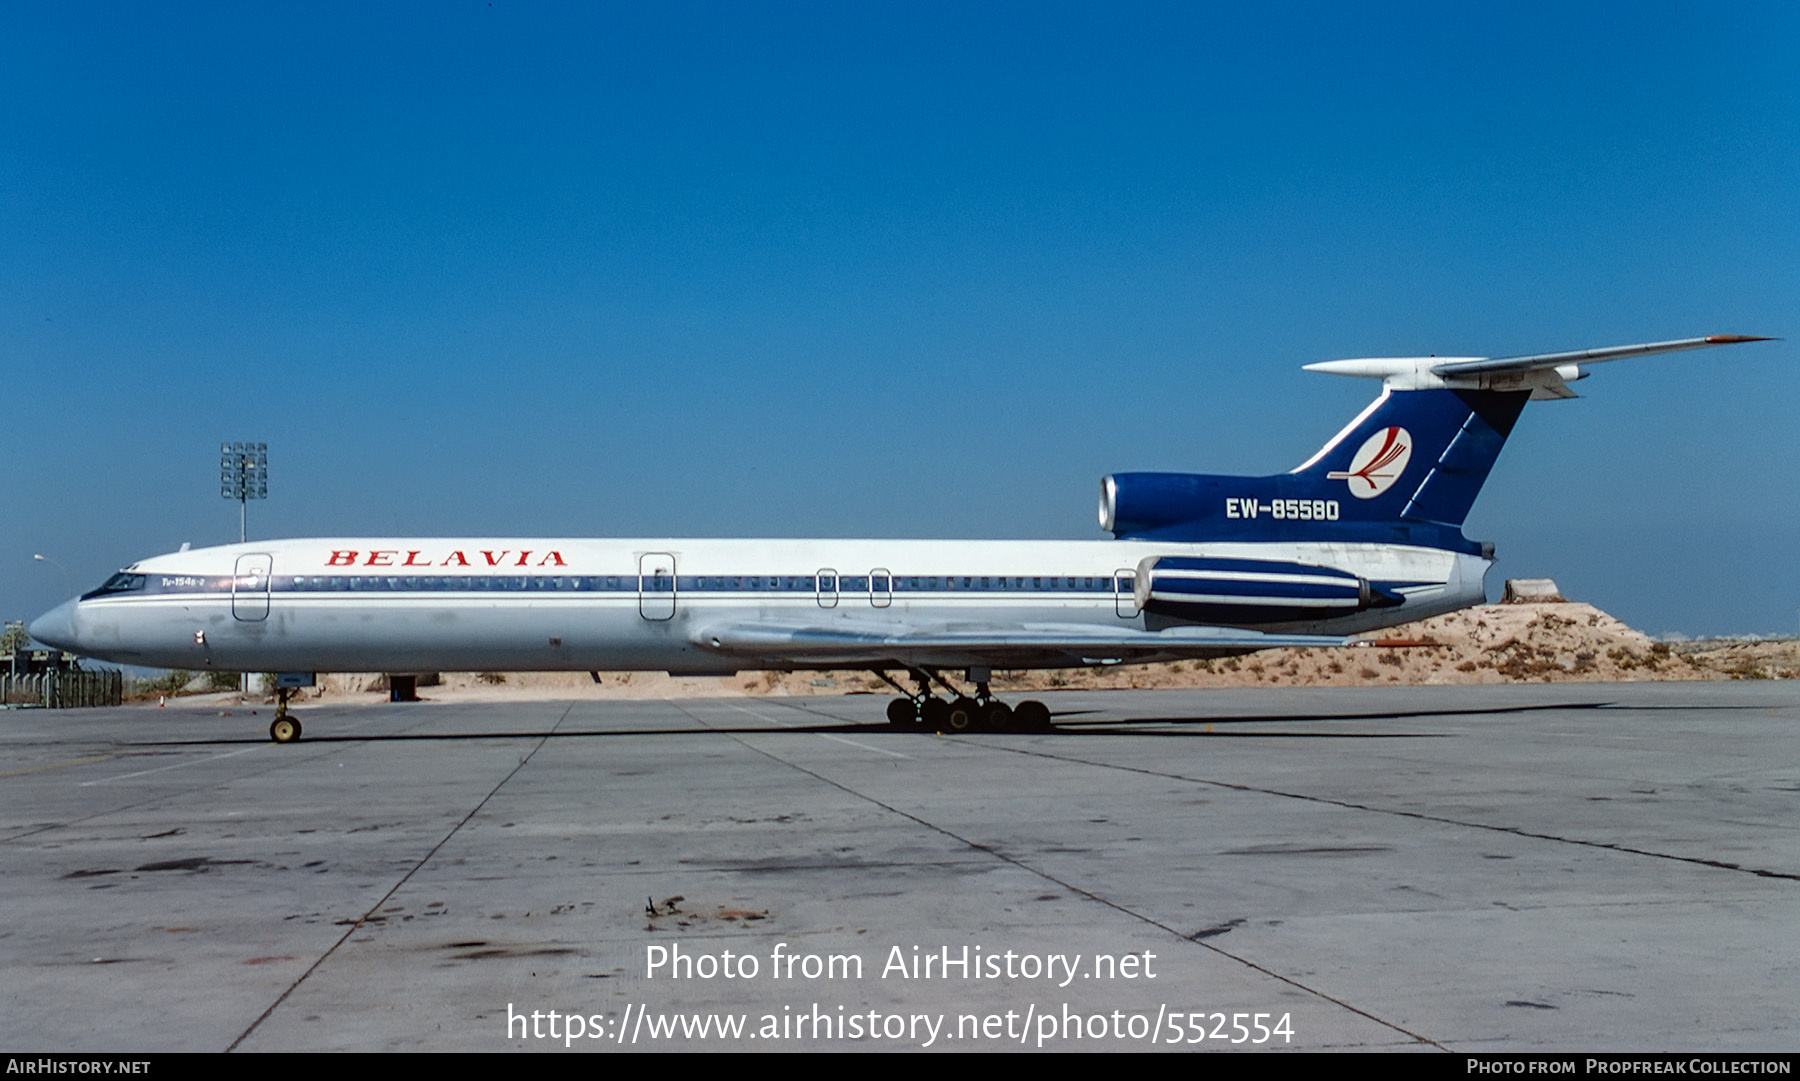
56,627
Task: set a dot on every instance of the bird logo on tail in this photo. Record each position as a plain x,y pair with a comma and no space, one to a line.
1378,463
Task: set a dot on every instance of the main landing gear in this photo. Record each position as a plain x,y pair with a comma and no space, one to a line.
980,712
284,729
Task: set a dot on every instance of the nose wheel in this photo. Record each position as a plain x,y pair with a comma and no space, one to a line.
284,728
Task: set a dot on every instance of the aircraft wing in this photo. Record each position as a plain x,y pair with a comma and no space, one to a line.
850,644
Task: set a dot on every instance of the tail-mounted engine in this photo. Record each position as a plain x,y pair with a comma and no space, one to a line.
1242,592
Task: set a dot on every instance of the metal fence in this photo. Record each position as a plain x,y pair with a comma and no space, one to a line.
63,690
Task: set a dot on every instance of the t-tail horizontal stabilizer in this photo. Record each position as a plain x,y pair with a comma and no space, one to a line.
1546,375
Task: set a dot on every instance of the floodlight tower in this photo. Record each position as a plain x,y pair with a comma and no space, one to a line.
243,476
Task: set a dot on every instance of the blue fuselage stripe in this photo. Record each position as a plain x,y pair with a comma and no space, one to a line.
793,585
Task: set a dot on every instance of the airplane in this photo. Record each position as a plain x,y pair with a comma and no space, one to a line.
1365,534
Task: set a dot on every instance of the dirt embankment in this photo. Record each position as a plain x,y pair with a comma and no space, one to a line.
1498,643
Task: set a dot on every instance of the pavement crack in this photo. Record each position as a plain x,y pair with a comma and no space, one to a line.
372,913
1420,816
1015,861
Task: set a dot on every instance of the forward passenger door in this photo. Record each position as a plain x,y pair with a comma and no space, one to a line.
656,585
250,587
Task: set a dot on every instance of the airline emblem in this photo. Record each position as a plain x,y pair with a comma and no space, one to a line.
1378,463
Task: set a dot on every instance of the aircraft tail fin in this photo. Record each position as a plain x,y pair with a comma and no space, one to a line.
1420,455
1408,468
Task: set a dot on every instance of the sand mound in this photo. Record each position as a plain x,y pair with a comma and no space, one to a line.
1500,643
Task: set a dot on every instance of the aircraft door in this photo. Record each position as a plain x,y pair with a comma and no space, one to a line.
881,587
250,587
1125,592
656,585
828,587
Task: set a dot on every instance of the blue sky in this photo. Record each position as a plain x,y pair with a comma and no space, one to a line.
909,270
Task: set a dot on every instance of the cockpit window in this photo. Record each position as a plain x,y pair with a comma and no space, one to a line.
121,582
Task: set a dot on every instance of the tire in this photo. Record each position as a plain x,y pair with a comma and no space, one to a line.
1032,716
935,715
997,717
965,715
902,713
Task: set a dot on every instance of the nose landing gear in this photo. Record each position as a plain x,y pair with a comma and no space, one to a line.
284,729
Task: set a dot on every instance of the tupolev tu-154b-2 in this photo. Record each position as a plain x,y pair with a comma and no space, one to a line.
1365,534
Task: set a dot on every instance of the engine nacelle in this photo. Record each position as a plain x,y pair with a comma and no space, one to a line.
1243,592
1132,503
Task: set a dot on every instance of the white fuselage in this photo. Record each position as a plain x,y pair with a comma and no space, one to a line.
387,605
